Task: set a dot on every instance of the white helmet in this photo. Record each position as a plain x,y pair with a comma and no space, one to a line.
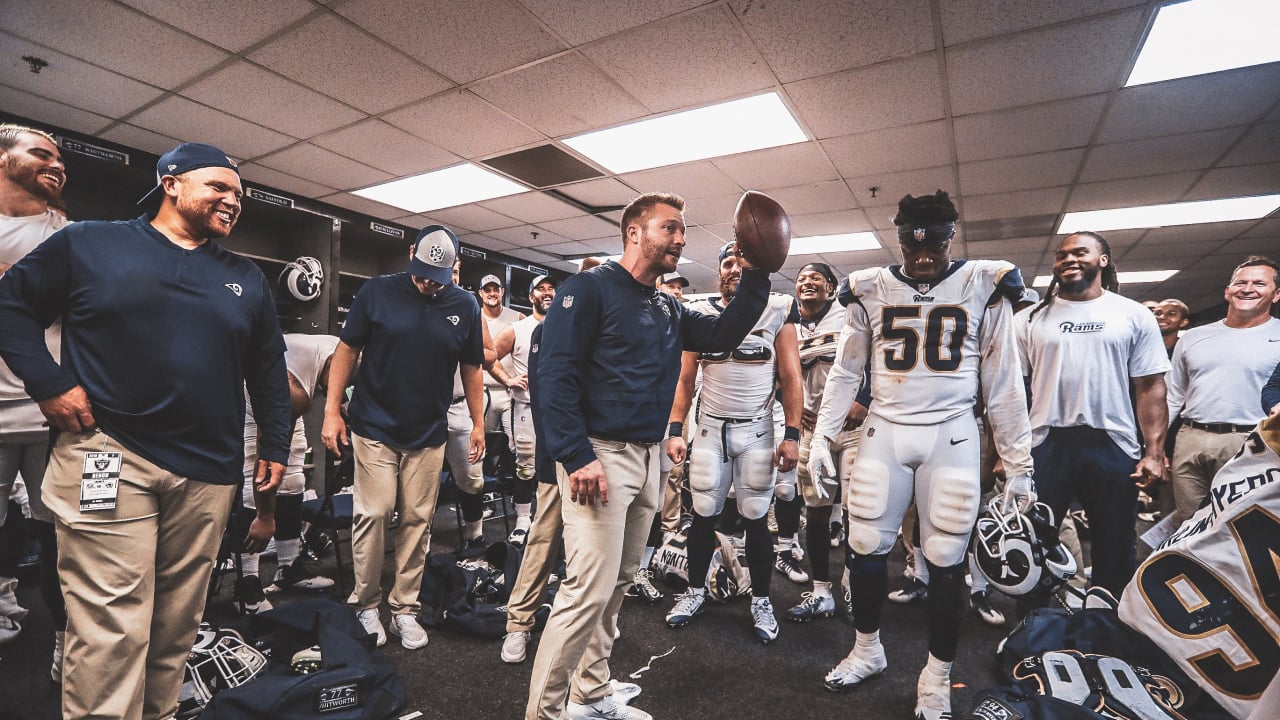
220,659
303,278
1019,553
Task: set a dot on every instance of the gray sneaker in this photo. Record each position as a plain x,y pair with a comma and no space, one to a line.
688,604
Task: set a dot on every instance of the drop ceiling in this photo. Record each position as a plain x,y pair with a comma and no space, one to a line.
1014,106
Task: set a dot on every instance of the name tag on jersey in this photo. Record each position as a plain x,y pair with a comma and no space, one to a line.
99,481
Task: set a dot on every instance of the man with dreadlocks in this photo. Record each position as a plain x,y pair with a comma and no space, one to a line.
935,332
1081,346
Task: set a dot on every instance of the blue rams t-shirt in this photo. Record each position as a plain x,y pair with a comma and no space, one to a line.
412,345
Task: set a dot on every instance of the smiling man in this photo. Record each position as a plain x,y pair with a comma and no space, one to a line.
163,330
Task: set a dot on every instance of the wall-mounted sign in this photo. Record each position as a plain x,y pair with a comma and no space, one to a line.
386,230
539,271
474,253
269,198
96,151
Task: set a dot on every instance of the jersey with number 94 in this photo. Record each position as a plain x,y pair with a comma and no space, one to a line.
931,347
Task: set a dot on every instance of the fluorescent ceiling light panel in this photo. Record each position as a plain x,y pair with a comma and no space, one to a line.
1136,277
846,242
1183,213
1204,36
753,123
457,185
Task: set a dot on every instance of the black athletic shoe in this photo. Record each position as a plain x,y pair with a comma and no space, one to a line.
249,597
915,590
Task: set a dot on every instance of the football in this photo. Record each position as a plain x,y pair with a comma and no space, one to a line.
763,230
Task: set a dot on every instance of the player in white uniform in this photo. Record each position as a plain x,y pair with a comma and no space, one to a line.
735,444
935,332
468,476
497,409
307,359
513,344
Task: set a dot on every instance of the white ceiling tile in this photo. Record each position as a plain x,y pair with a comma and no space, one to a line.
909,147
192,122
689,180
579,22
895,93
1035,128
1266,227
473,218
523,236
40,109
817,37
1063,61
483,241
568,249
1024,203
844,263
1146,251
829,223
462,123
830,196
1243,247
1130,193
1203,102
712,210
601,192
460,40
1157,156
532,207
231,24
284,181
965,20
891,186
1017,173
137,137
702,243
1237,181
363,205
307,160
1260,144
258,95
377,144
113,36
562,96
331,56
585,227
71,81
702,49
778,167
533,255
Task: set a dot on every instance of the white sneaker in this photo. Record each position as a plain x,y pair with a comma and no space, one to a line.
624,691
514,645
411,634
933,696
762,619
609,708
372,625
9,606
688,604
857,667
59,643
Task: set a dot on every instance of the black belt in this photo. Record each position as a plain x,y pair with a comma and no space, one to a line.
1219,428
736,420
458,399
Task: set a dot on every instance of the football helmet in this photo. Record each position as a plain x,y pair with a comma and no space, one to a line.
220,659
302,279
1020,552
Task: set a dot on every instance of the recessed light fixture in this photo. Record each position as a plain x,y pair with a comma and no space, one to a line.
754,123
1170,214
1136,277
1204,36
457,185
846,242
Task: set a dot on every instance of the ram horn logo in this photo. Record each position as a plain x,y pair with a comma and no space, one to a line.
453,319
235,288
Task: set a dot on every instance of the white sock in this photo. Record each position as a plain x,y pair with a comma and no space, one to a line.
783,544
977,581
922,566
523,511
647,557
287,551
249,563
700,592
473,529
822,588
866,641
939,669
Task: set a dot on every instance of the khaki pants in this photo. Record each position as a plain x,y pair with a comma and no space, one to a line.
388,479
603,544
540,552
1197,457
134,579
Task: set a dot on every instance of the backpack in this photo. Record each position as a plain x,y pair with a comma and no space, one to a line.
727,577
470,594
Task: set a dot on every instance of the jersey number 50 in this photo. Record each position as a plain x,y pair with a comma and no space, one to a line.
947,322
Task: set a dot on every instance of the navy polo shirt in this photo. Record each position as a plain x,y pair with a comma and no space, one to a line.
163,339
411,346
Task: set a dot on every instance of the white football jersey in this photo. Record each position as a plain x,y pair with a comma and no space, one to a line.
818,342
1210,595
931,347
739,384
520,345
497,325
304,357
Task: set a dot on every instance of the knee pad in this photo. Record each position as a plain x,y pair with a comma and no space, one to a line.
953,508
705,485
868,490
288,517
756,488
525,472
785,491
866,566
867,539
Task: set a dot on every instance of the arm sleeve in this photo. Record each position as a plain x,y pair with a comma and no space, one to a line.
267,380
847,373
569,334
1175,382
1001,379
34,293
1271,391
864,393
724,332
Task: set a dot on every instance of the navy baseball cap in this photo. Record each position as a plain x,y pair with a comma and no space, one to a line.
727,249
434,253
185,158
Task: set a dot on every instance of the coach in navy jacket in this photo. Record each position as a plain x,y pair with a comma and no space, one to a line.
607,371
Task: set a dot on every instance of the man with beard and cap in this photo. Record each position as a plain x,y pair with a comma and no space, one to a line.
497,409
514,343
937,334
31,180
1081,347
734,445
607,373
163,330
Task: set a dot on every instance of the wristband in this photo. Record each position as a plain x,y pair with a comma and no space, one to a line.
675,429
791,433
